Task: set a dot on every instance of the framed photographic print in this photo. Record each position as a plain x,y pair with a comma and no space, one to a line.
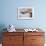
25,13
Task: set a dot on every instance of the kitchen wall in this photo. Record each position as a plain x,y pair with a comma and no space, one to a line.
8,13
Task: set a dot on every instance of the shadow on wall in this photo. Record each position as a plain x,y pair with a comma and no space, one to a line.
2,26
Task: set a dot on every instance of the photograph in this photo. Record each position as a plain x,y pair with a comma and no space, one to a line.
25,13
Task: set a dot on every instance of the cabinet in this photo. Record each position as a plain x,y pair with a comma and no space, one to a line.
23,39
34,39
12,39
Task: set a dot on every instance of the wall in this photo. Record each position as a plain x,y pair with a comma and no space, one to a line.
8,13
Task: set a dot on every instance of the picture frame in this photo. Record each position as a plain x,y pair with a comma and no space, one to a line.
25,13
